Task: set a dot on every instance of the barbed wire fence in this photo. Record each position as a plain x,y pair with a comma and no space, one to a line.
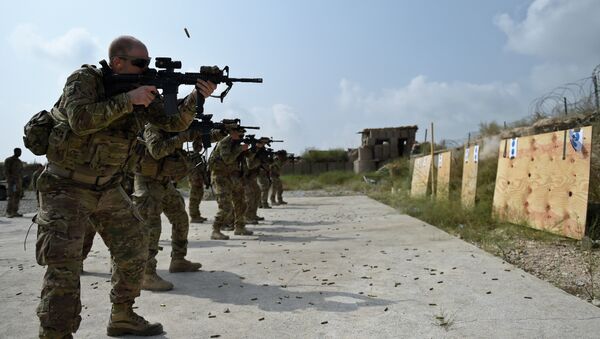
578,97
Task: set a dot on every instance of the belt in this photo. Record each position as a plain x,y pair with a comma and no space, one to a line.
161,178
76,176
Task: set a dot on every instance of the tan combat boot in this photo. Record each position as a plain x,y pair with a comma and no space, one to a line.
242,231
217,235
227,228
183,265
124,321
153,282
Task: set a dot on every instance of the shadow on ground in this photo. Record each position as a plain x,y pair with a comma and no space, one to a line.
229,288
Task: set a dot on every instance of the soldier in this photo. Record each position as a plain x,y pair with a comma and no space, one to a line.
277,186
251,188
165,162
196,182
264,179
91,144
226,178
13,171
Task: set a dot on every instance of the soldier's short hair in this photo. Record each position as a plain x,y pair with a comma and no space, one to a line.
122,45
16,150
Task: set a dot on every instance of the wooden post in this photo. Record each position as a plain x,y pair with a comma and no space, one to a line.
432,163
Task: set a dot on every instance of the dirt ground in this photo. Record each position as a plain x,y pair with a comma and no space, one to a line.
564,264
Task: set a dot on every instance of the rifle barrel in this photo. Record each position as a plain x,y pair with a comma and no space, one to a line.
256,80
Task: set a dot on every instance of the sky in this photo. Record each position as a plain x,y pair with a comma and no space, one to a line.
330,68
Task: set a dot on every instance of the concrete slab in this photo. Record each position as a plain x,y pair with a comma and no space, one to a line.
332,267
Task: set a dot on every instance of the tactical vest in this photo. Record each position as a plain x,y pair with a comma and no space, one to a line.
174,166
216,163
104,153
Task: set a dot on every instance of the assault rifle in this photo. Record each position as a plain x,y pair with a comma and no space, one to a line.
293,158
205,125
268,141
169,81
266,154
251,140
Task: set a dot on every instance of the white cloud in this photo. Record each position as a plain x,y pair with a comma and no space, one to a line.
454,108
555,29
76,46
279,121
562,34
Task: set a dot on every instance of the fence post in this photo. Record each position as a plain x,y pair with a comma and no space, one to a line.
432,165
595,81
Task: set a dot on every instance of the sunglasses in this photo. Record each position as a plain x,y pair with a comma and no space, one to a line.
137,62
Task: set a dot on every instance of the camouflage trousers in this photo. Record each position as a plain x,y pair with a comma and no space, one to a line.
67,210
264,184
153,197
90,233
196,195
276,189
14,193
252,192
230,196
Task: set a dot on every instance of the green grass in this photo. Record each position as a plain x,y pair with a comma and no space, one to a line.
392,187
326,181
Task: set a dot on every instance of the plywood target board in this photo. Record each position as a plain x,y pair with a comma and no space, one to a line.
543,181
444,160
420,178
469,178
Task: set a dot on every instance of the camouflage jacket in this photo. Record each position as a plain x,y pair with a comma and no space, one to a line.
276,167
13,169
225,158
199,167
34,178
96,135
251,166
164,155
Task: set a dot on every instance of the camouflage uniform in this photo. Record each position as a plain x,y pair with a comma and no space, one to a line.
276,185
196,182
91,145
13,170
90,233
264,182
251,189
226,178
164,162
